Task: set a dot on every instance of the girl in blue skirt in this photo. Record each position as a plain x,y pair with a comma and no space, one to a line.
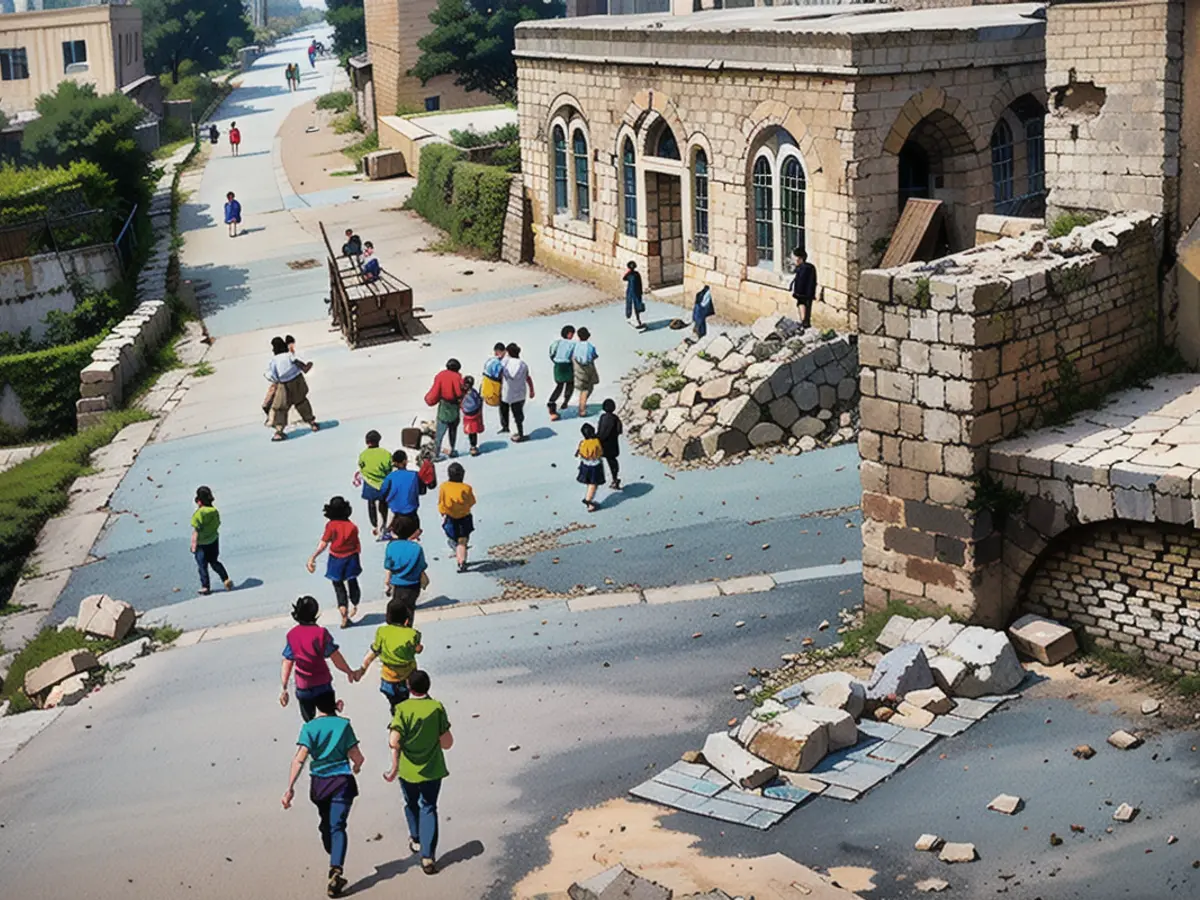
591,465
343,566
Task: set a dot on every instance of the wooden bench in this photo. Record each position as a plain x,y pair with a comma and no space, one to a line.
366,311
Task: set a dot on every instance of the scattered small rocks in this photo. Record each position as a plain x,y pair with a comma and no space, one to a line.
1055,840
1083,751
928,842
1151,707
1123,740
931,885
1125,813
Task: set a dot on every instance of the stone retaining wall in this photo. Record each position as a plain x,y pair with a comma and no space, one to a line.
959,354
34,286
1130,586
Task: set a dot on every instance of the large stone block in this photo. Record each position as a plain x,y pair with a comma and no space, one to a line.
740,413
57,669
806,396
901,670
783,412
837,690
991,660
717,389
765,433
792,742
807,426
733,761
101,615
1042,639
843,732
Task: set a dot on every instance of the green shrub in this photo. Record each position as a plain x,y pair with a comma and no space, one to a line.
338,101
347,123
30,194
652,401
32,492
503,134
466,199
1068,222
47,384
200,89
359,149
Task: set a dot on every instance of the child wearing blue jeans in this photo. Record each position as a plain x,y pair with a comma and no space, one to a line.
206,545
330,747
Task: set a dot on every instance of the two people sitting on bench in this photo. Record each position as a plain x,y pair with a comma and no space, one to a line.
371,269
353,245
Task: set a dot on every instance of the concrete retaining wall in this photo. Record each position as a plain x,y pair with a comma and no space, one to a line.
32,287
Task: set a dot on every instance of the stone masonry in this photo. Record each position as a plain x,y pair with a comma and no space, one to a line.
731,83
959,354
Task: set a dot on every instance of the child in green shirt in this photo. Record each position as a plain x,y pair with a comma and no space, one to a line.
206,546
374,465
396,645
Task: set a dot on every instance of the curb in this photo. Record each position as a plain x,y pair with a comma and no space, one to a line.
703,590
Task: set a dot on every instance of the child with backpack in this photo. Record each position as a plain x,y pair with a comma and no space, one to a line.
343,566
472,414
455,501
591,465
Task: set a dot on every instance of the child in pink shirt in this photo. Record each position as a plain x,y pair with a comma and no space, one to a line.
308,647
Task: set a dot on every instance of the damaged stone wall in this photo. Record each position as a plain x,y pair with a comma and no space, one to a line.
961,353
1132,587
1114,79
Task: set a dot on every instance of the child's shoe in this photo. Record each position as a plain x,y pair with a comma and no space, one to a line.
228,582
337,883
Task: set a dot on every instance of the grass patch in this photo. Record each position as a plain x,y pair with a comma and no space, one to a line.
338,101
861,639
12,608
1134,665
165,151
33,491
361,148
202,369
1068,222
652,402
165,634
48,643
347,123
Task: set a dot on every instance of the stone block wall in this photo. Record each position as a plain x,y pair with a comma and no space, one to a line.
32,287
1130,586
517,244
1114,78
959,354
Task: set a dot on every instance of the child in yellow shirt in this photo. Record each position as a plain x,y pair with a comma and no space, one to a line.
455,501
591,465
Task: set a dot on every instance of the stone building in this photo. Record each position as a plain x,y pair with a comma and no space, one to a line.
707,146
393,29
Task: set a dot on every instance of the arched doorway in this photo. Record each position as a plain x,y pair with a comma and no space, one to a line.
938,161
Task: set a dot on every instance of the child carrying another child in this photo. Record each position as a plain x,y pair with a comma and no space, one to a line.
591,466
396,645
305,652
343,566
455,501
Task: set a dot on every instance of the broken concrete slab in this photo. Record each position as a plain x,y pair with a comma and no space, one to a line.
57,669
901,670
126,653
893,632
791,741
1045,640
618,882
101,615
928,842
931,885
741,767
1008,804
840,725
67,692
836,690
66,542
932,700
957,853
940,635
1125,813
1123,740
909,716
991,659
948,673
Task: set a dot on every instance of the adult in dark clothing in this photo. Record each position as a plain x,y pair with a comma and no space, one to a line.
353,245
608,431
634,306
804,285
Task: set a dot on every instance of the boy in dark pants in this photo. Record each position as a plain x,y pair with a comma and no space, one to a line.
404,560
396,644
374,465
305,652
609,430
804,286
206,545
564,371
330,747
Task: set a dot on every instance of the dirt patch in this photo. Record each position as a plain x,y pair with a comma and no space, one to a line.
303,263
310,157
622,831
534,543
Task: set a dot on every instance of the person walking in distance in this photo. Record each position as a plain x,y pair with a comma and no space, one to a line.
374,465
804,286
564,372
235,138
330,747
206,544
583,361
233,213
634,305
420,735
608,432
343,566
493,377
516,387
290,388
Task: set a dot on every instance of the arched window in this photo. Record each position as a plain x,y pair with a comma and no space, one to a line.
1002,165
1035,154
561,203
629,188
668,147
791,208
764,211
700,202
579,150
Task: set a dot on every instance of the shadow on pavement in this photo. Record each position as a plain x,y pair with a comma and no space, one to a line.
495,565
383,873
491,446
540,434
658,325
469,850
629,492
248,583
305,432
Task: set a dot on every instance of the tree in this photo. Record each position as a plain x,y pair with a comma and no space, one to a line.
349,27
475,43
74,123
175,30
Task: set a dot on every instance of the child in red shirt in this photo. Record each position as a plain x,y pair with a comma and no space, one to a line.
235,138
343,566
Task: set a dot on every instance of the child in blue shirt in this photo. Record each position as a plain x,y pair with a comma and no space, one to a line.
401,491
404,560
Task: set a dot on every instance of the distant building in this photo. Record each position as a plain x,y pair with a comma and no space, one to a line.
99,45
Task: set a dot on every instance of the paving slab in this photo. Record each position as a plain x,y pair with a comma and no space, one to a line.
858,776
812,573
747,584
17,731
658,793
950,725
682,593
894,753
688,783
604,601
966,708
66,542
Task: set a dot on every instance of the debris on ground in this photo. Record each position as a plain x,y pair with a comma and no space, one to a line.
957,853
1007,804
1125,813
1123,740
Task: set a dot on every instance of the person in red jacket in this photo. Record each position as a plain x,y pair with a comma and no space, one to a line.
446,394
235,138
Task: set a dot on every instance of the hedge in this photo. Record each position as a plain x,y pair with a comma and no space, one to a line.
32,492
28,193
466,199
47,384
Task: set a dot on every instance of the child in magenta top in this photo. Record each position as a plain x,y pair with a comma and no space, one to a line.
307,653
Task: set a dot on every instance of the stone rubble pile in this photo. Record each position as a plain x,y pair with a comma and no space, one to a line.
618,883
732,392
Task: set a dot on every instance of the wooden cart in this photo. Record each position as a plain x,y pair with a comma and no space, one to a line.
366,312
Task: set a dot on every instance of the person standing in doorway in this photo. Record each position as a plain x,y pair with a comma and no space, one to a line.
634,305
516,387
420,735
564,372
235,138
804,286
343,566
608,432
233,213
583,361
330,747
446,393
206,544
